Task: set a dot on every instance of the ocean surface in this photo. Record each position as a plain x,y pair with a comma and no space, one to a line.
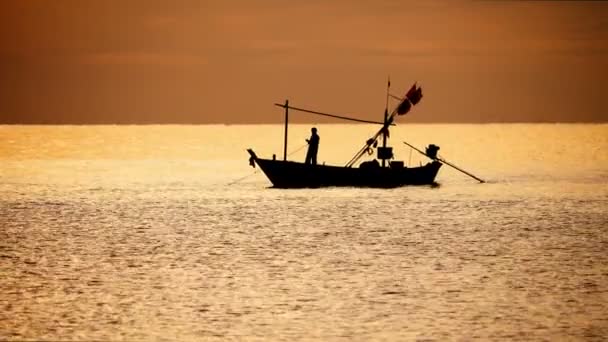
165,233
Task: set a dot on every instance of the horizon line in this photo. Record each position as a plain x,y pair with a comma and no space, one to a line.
303,123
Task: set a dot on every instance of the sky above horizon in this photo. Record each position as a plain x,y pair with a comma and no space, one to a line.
136,61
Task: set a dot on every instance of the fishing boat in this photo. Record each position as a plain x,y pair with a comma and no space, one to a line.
382,172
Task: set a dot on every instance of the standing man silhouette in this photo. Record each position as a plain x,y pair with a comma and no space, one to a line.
313,147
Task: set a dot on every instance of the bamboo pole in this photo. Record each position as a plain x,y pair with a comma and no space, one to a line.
328,115
448,164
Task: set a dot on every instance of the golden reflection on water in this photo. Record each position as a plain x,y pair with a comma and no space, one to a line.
132,232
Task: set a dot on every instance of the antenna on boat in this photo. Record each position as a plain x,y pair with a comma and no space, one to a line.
385,128
388,92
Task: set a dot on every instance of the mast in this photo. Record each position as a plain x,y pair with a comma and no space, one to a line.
384,134
383,151
286,124
385,127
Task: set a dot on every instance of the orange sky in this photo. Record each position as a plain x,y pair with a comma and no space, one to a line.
152,61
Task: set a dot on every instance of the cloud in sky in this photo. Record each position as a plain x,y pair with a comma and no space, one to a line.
141,58
184,61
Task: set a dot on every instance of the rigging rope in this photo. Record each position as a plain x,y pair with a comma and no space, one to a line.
243,178
359,154
329,115
298,149
258,170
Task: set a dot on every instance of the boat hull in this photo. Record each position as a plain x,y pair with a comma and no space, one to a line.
289,174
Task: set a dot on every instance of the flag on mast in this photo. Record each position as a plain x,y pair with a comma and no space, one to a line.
411,92
415,95
404,107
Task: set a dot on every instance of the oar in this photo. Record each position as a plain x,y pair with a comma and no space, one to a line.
447,163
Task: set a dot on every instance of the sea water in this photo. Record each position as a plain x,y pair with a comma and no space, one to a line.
166,233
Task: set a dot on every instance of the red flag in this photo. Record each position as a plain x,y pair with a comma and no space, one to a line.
416,96
404,107
411,92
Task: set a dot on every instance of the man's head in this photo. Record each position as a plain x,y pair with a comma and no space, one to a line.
314,130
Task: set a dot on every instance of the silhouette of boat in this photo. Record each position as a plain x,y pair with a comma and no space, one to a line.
382,172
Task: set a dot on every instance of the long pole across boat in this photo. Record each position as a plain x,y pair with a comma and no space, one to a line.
287,107
447,163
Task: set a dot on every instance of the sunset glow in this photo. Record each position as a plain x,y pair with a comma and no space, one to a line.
228,61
